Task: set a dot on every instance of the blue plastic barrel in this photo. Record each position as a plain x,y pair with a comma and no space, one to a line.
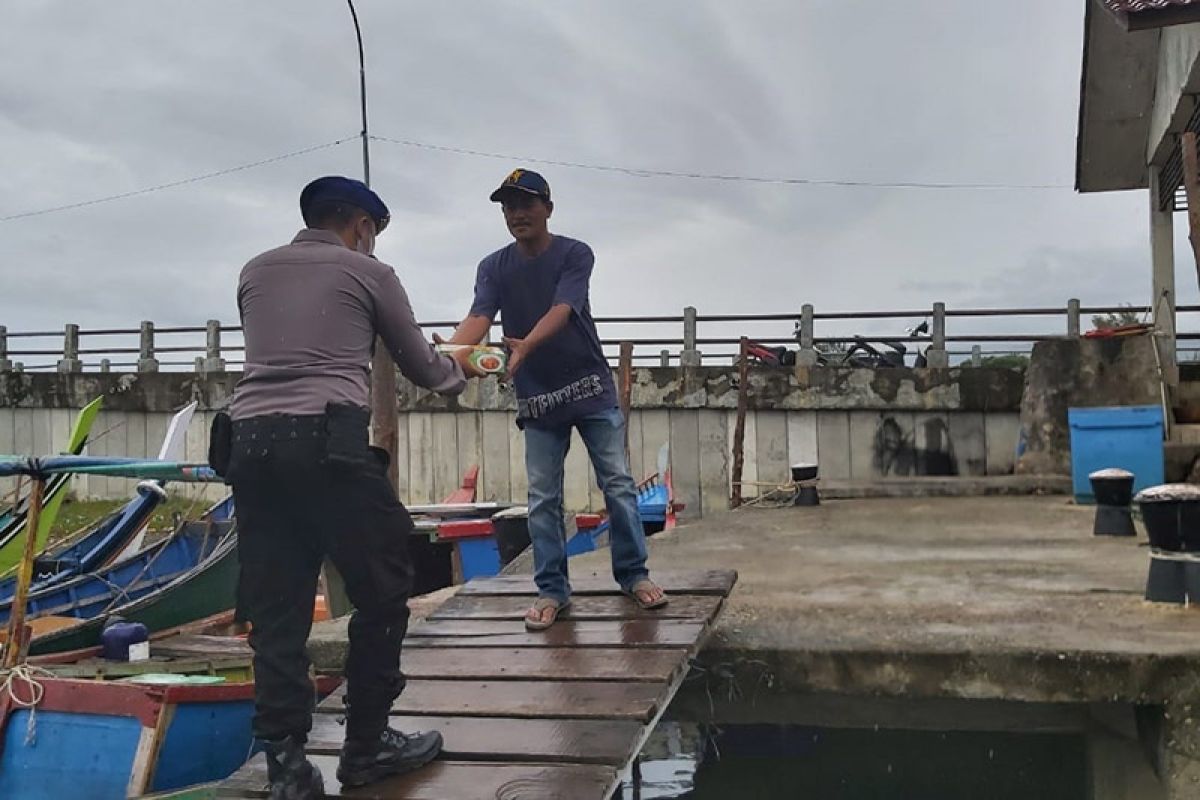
1128,437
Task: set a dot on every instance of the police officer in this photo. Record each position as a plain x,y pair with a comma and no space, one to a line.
307,486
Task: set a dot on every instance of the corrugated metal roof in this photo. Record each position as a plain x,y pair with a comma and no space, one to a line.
1142,14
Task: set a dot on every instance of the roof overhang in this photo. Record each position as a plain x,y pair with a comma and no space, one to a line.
1115,100
1143,15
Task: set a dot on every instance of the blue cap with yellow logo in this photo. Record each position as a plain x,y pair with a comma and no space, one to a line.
523,180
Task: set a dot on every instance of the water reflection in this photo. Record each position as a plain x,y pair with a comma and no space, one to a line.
770,762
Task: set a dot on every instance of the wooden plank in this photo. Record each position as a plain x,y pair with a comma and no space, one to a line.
749,452
574,741
697,608
771,441
656,431
470,450
403,457
1002,431
420,452
543,663
637,463
714,462
565,633
521,699
685,459
716,581
802,437
1191,187
446,473
495,482
968,438
450,780
833,444
516,461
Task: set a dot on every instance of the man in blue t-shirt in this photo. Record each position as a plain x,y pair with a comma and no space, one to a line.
539,284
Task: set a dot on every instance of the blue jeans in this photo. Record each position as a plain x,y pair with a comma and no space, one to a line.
545,454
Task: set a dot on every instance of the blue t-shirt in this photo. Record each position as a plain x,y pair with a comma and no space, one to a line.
567,377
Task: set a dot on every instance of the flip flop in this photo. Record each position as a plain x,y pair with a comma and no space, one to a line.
645,584
540,605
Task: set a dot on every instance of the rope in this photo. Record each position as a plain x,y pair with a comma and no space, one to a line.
1164,555
27,675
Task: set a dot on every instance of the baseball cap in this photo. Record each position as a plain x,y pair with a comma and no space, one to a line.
523,180
337,189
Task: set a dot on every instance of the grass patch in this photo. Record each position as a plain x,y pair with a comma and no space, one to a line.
76,515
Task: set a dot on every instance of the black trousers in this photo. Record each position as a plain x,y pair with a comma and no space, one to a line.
295,506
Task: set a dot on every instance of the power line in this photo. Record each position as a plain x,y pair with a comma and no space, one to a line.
173,184
705,176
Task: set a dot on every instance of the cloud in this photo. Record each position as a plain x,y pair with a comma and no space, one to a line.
138,93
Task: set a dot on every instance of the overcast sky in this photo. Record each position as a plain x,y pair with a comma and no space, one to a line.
102,98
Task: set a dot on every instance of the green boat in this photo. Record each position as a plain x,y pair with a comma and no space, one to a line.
12,521
207,590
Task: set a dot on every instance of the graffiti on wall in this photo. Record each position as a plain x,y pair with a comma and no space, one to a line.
895,451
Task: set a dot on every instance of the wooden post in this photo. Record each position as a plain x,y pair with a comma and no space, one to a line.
16,619
1191,185
739,429
625,376
385,411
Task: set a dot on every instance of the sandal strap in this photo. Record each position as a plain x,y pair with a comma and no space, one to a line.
542,603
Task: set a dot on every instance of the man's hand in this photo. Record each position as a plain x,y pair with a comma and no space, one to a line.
517,351
463,356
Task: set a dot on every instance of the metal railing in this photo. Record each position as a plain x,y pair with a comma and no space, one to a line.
672,339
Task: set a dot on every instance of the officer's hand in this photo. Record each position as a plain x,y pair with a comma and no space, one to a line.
463,356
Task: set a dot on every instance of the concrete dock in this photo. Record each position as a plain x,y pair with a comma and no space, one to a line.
920,612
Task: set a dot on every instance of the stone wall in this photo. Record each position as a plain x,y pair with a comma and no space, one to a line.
857,424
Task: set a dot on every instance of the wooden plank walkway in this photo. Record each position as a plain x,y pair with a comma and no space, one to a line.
559,714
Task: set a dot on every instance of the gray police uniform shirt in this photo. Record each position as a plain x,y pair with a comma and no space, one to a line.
310,312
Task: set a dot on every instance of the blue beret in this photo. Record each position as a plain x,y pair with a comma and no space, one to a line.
334,188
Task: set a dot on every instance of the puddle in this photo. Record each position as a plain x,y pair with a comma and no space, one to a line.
773,762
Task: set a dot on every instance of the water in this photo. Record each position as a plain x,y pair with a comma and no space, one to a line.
773,762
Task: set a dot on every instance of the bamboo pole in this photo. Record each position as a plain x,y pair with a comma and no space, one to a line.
16,619
739,430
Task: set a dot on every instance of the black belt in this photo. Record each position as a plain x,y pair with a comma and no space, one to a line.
280,427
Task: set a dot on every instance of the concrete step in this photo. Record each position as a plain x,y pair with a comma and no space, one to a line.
946,487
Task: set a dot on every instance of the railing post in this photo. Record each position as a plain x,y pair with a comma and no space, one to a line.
6,364
664,358
146,360
1073,312
936,356
70,361
690,356
976,356
105,365
19,366
199,365
807,357
213,361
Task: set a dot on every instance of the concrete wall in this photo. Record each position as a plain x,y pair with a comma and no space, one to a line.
858,424
1178,55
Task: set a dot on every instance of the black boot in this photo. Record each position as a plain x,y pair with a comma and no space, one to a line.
393,753
292,776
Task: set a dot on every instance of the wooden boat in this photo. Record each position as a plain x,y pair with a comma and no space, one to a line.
95,549
190,576
12,521
100,740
